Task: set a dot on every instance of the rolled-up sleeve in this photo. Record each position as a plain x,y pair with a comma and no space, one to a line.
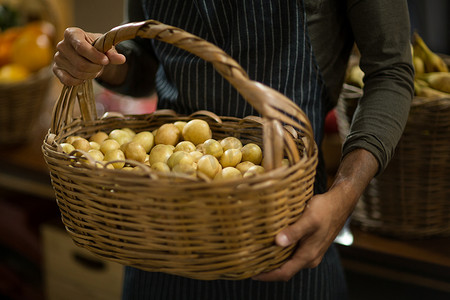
382,34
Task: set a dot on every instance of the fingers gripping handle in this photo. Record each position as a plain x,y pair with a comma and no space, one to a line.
117,35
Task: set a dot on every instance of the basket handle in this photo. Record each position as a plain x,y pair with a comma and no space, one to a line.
274,107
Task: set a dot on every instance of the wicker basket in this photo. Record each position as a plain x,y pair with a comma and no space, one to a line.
410,199
21,102
193,228
20,105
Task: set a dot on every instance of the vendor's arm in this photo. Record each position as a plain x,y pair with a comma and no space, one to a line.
324,216
384,43
382,33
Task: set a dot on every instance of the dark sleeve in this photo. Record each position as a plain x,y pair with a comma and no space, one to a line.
382,33
142,63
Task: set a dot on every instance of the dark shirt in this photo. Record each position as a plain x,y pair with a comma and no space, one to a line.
381,31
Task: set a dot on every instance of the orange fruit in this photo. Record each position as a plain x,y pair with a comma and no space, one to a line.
44,27
7,38
32,50
13,73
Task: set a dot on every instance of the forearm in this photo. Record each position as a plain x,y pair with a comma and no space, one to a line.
355,171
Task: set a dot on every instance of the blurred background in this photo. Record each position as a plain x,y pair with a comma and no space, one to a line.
430,18
39,261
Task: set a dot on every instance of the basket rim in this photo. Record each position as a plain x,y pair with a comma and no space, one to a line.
50,149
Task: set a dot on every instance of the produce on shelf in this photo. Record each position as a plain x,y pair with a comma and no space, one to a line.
26,46
355,76
431,61
432,76
439,81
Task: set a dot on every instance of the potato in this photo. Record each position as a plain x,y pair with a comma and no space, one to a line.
196,131
179,158
228,173
213,147
160,153
244,166
168,134
253,171
252,152
121,136
109,145
135,151
97,155
209,165
185,146
196,155
99,137
180,125
231,158
67,148
94,145
231,143
81,144
160,167
72,138
145,139
116,154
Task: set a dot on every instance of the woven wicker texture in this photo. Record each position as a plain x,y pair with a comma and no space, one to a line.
179,225
410,199
20,104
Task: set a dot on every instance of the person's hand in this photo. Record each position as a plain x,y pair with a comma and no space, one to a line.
324,216
314,232
76,60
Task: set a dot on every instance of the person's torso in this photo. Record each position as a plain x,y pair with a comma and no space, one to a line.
267,38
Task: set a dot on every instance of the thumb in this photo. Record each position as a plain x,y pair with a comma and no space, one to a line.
294,233
115,57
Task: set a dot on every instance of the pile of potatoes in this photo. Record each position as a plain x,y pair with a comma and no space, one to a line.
180,147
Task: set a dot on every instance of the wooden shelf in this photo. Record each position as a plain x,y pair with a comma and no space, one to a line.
422,262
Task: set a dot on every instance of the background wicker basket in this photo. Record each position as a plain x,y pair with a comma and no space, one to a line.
21,102
410,199
193,228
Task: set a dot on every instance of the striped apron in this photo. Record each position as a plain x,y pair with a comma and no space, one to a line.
268,38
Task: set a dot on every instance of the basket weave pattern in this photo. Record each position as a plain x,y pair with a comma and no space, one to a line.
20,104
410,198
162,222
